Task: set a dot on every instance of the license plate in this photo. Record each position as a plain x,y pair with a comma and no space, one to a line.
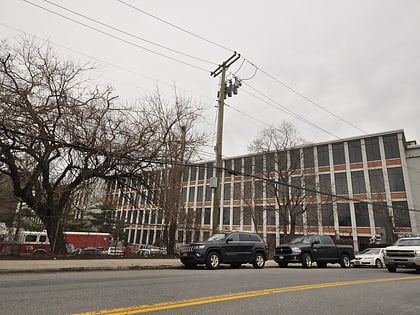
357,262
184,254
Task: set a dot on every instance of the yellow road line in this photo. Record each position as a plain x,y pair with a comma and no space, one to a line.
233,296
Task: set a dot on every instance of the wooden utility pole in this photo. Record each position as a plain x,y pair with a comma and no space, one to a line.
215,183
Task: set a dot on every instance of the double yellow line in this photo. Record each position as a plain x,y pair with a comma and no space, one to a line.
233,296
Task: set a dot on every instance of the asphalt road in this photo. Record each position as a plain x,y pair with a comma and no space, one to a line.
331,290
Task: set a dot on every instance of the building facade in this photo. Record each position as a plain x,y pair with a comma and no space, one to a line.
352,189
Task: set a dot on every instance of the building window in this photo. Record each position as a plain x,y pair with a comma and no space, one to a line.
200,191
259,164
392,150
294,159
226,216
308,157
226,191
376,179
193,175
282,161
238,165
355,151
327,214
207,213
344,218
358,182
258,189
270,162
228,168
191,196
237,191
201,171
210,168
247,216
372,149
401,214
271,215
362,214
247,193
236,216
208,193
258,216
396,179
312,215
248,165
296,187
341,184
310,187
338,153
325,183
197,219
323,155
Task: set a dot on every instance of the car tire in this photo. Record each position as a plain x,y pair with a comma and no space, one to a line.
213,260
282,264
391,268
345,261
259,261
306,260
378,263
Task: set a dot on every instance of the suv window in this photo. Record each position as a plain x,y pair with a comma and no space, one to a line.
244,237
234,237
255,238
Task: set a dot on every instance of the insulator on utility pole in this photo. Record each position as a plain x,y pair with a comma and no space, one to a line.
229,89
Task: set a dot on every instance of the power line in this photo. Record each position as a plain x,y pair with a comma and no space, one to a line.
286,110
175,26
117,38
311,101
129,34
256,67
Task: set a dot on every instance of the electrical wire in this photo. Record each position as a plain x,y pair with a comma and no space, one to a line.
117,38
175,26
129,34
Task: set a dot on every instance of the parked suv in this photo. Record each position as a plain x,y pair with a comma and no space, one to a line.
234,248
405,253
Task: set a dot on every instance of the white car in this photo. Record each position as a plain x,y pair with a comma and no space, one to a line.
115,251
373,257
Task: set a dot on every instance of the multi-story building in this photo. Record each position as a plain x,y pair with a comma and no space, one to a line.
352,189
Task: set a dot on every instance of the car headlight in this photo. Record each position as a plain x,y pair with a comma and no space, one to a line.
201,246
385,253
417,252
296,250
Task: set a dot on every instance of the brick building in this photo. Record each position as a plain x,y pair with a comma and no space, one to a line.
352,189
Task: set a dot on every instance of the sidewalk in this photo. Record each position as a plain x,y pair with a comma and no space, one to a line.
52,265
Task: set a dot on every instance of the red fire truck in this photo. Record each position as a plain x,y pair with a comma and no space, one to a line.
32,243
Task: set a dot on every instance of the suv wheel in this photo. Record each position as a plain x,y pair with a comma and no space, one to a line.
213,260
258,261
306,260
391,268
345,261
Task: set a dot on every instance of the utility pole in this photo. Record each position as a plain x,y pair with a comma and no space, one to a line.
215,182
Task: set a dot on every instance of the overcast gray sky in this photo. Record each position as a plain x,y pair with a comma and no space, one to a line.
334,69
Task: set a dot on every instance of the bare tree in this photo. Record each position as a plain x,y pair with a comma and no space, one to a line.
58,131
282,181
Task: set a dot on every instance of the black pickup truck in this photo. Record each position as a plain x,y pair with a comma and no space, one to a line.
313,248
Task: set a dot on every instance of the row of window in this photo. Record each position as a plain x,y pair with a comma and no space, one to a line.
255,216
255,164
255,189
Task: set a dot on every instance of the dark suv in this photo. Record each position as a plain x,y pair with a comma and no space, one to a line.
234,248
